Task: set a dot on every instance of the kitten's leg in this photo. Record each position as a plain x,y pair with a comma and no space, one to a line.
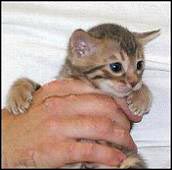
140,101
133,161
20,95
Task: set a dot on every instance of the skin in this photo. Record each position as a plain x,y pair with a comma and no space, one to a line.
45,136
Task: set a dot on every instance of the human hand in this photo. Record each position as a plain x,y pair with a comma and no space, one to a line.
46,135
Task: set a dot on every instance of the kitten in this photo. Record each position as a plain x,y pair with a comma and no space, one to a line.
108,57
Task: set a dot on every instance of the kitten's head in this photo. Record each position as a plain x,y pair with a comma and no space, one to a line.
110,56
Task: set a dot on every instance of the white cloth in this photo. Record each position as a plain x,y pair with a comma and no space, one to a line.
34,41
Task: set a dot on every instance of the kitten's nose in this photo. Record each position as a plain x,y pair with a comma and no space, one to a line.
133,83
132,79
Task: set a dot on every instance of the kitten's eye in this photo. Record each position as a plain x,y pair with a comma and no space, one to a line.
116,67
140,65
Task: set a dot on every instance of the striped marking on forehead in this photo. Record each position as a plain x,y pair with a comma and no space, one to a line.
118,56
125,60
122,55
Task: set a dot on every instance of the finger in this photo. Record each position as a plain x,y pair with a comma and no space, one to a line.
87,104
90,127
92,152
73,152
65,87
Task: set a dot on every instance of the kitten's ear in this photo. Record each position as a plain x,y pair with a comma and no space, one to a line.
82,45
146,37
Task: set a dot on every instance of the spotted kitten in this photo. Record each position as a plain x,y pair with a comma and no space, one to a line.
108,57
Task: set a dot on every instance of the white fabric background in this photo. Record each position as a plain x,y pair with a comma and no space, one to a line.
34,41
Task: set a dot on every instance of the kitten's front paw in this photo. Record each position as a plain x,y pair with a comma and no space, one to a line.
135,106
19,101
139,102
20,95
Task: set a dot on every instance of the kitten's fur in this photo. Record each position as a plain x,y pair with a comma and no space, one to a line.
89,57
